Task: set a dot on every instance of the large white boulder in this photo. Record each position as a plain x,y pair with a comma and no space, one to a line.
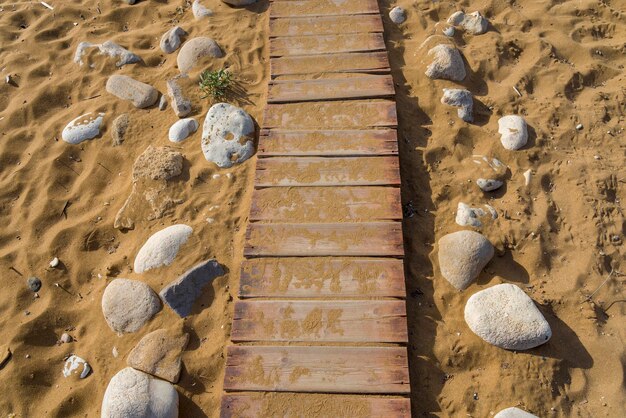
227,135
505,316
462,256
128,304
135,394
161,248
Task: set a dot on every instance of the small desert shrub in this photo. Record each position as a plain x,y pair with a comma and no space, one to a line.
215,84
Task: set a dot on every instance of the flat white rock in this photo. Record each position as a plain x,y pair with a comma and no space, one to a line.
469,216
135,394
227,135
491,172
181,129
161,248
107,48
513,131
462,256
397,15
170,41
462,99
473,23
199,11
514,413
82,128
128,304
142,95
505,316
447,63
75,365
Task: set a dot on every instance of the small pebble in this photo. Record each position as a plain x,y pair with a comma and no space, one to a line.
34,284
66,338
449,31
54,263
579,127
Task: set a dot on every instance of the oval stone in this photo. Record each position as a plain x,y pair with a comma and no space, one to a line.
128,304
462,256
161,248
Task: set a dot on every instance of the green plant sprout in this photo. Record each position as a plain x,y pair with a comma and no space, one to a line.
215,83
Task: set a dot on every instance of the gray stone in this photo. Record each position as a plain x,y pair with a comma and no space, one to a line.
161,248
514,413
239,2
491,173
180,104
489,185
34,284
473,23
128,304
505,316
82,128
119,128
181,129
227,135
462,256
449,31
469,216
140,94
447,63
513,131
170,41
135,394
194,50
162,102
397,15
107,48
182,292
462,99
159,353
199,11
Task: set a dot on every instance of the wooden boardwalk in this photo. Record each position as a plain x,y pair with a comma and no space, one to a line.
320,328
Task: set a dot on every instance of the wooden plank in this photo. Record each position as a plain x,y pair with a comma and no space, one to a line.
277,143
326,44
292,405
313,277
326,204
317,369
286,8
326,25
367,87
326,171
355,321
358,62
354,114
302,240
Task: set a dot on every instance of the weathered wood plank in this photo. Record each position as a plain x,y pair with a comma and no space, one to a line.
356,114
277,143
355,321
361,239
325,25
292,405
358,62
326,204
367,87
286,8
326,44
326,171
317,369
330,277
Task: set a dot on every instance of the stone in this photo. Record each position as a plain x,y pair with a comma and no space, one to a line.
397,15
491,172
161,248
119,128
447,63
182,292
528,174
170,41
469,216
505,316
462,99
158,163
128,305
54,263
514,413
134,394
66,338
239,2
162,102
513,131
462,256
449,31
142,95
34,284
131,2
82,128
107,48
180,104
75,365
194,50
159,354
489,185
227,135
473,23
199,11
181,129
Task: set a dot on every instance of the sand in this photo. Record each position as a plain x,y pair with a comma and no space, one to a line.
559,238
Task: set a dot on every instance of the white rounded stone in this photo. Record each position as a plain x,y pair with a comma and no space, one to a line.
195,50
462,256
199,11
227,135
161,248
181,129
135,394
82,128
514,413
469,216
447,63
397,15
462,99
473,23
513,131
75,365
128,304
505,316
489,185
